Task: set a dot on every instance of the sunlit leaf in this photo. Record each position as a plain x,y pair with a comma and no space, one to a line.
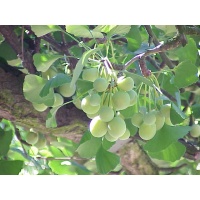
62,167
83,31
41,30
42,62
32,87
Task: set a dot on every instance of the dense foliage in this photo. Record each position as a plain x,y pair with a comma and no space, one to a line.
134,83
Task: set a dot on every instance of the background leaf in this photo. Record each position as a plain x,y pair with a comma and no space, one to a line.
185,74
188,53
6,136
134,39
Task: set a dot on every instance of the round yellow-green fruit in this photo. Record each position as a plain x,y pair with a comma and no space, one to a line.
98,128
90,74
116,127
195,131
50,73
137,119
149,118
133,97
66,90
95,99
125,84
58,100
120,100
160,120
31,137
106,114
100,84
110,138
165,110
77,102
147,132
125,136
41,143
39,107
87,107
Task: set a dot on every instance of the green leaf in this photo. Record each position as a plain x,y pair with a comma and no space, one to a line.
165,137
69,147
54,82
51,118
62,167
16,154
80,169
138,78
188,53
128,112
119,30
83,86
107,144
86,136
6,137
133,129
176,115
106,161
186,73
89,148
172,153
32,87
168,29
104,28
10,167
56,152
195,110
7,52
167,83
79,66
41,30
83,31
43,61
134,38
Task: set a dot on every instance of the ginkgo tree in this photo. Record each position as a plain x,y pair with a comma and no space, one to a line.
99,99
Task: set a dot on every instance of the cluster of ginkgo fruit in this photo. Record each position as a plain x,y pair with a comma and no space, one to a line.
111,95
